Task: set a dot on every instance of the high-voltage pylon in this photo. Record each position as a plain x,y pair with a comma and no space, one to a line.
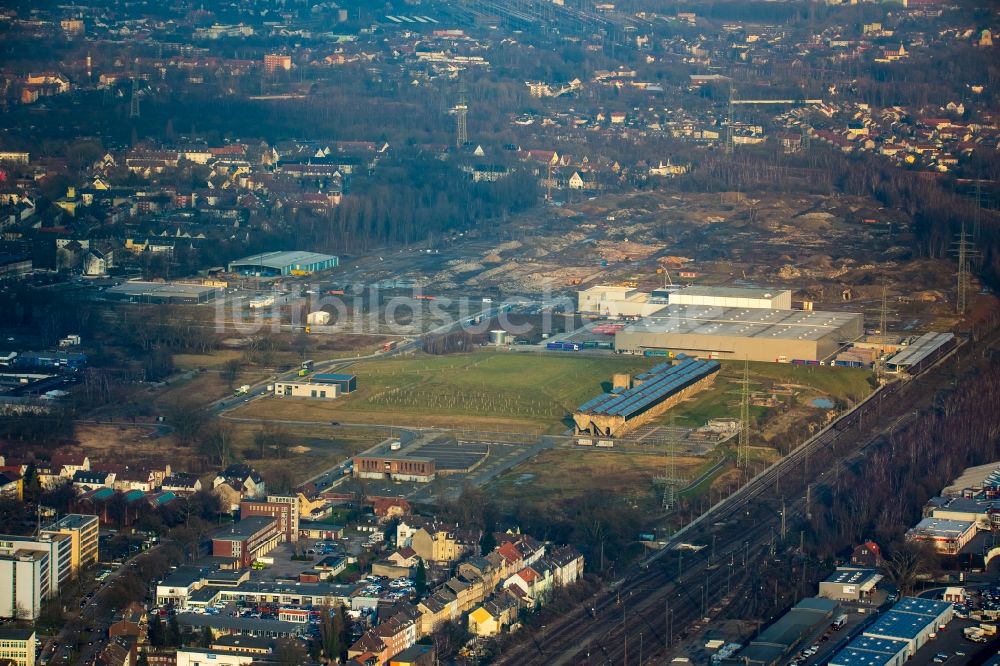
883,316
670,480
883,333
729,122
133,108
965,250
977,220
461,111
743,450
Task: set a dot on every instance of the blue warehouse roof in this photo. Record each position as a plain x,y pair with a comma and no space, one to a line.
906,626
851,657
869,651
921,606
660,382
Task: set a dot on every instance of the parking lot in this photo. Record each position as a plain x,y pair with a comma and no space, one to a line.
450,455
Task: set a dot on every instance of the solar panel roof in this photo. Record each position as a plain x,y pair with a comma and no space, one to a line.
664,383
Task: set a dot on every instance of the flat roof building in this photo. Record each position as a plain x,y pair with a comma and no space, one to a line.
396,468
59,547
912,620
617,301
869,651
925,349
733,297
307,389
284,263
654,392
980,510
283,508
247,540
849,584
161,292
18,645
24,583
776,642
84,531
347,383
755,334
947,536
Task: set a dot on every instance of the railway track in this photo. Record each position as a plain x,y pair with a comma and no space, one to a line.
662,600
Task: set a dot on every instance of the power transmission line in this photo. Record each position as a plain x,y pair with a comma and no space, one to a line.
965,249
743,452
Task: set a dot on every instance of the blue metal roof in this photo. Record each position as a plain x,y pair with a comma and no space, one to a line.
869,651
922,606
905,626
662,384
851,657
164,498
103,493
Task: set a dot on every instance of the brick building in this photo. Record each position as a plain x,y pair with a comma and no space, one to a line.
247,540
283,508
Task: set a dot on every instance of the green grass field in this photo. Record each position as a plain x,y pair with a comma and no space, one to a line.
494,389
526,386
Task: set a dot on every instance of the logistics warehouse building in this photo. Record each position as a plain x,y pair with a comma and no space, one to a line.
654,392
136,291
756,334
733,297
283,263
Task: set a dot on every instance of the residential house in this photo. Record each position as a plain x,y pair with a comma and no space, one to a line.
389,637
415,655
668,169
244,479
583,180
49,476
444,544
84,480
399,563
868,554
532,584
120,651
11,485
181,483
68,463
436,609
387,508
567,565
494,615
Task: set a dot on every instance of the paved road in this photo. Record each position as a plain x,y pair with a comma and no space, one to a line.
95,614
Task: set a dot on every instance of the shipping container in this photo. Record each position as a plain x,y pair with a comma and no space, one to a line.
553,345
